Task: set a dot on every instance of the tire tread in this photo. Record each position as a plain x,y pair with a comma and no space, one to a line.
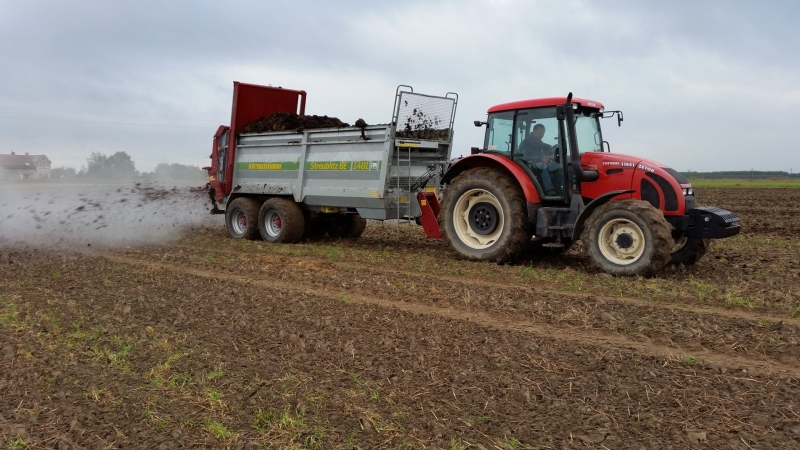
292,218
690,256
521,230
660,229
251,208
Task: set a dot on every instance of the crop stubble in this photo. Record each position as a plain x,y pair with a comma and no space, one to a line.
390,341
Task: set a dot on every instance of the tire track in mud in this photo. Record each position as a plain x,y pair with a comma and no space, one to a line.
679,304
687,330
580,336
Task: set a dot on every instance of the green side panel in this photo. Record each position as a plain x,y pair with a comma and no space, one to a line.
343,165
267,166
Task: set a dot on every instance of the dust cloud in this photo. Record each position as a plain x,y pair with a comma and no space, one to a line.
68,215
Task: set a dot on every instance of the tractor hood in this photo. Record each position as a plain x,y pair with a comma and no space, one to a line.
652,181
605,161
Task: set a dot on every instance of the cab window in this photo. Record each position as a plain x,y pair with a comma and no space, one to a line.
528,119
498,136
587,131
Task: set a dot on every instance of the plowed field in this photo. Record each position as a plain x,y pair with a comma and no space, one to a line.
392,342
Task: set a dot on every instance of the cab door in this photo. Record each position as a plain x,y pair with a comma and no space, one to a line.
525,120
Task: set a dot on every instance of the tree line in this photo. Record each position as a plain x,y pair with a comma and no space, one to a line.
120,166
742,175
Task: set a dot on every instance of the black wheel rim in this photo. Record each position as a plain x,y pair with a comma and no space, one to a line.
483,218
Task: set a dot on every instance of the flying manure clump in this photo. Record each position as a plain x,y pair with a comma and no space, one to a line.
418,125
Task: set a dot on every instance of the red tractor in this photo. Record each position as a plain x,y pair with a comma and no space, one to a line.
544,173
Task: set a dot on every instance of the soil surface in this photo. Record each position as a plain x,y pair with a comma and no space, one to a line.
390,341
281,121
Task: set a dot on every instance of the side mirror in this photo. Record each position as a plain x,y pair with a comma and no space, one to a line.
478,123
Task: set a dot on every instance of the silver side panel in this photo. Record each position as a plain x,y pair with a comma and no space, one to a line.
371,170
328,167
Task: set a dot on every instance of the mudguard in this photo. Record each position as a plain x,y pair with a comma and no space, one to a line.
498,162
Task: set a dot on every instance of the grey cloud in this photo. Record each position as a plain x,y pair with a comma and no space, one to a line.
692,76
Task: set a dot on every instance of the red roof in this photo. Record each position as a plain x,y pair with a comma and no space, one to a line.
15,160
19,161
542,102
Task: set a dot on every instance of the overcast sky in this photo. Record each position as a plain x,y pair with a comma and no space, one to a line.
704,85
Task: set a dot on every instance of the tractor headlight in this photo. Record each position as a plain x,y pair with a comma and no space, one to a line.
688,191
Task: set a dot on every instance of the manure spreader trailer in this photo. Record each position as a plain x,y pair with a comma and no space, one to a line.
282,185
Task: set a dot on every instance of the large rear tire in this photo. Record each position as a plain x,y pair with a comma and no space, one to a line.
485,217
688,251
628,237
281,220
350,226
241,218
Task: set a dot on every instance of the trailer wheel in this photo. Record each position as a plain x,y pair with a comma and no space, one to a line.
688,251
485,217
281,220
241,218
628,237
349,226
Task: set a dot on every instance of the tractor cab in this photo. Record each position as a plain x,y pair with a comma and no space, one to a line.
537,136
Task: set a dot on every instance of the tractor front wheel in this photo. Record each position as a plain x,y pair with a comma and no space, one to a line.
281,220
688,250
628,237
485,217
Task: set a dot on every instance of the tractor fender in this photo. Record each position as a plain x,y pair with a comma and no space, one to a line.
589,209
498,162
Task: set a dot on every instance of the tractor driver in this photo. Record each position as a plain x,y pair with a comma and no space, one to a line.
540,156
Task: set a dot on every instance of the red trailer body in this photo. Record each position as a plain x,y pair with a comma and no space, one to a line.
250,103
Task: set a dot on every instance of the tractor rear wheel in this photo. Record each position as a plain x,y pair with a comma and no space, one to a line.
628,237
485,217
281,220
688,250
241,218
350,226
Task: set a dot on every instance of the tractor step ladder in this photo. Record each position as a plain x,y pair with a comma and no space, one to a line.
403,173
403,168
